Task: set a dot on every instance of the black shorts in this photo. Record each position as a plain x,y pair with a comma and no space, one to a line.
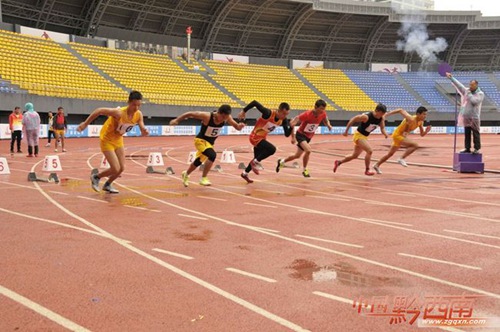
301,138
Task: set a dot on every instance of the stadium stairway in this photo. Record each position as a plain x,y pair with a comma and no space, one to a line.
222,89
206,74
93,67
314,89
494,80
412,91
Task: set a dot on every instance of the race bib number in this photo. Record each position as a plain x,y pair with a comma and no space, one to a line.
371,128
213,131
311,128
269,127
124,127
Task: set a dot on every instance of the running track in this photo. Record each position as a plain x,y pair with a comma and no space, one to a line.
283,253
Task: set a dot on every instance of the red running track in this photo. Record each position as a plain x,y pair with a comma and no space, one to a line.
283,253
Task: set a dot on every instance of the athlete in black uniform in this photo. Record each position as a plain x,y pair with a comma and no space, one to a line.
369,122
211,126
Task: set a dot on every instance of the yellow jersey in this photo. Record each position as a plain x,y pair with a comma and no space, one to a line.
406,127
114,129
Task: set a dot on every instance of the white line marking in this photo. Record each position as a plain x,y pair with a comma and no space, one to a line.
481,235
18,185
93,199
213,198
429,233
251,275
330,198
45,312
261,205
387,222
141,208
171,253
51,222
338,298
194,217
329,241
265,229
441,261
58,192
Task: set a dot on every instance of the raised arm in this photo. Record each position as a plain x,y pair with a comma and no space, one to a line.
401,111
203,116
459,86
266,112
114,112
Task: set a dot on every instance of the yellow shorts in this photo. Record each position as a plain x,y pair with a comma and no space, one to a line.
201,145
59,132
397,139
107,145
357,136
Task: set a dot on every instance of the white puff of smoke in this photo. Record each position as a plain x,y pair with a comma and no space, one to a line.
416,39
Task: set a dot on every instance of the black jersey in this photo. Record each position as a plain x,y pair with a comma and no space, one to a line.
367,127
210,132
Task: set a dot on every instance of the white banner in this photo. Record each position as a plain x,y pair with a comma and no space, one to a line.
55,36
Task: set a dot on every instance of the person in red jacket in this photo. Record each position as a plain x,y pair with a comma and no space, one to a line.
16,129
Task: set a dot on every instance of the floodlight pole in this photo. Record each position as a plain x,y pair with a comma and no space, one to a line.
188,55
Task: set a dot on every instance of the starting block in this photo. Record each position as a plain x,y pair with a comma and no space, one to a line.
241,166
468,163
50,164
151,170
156,159
216,168
191,157
228,157
4,166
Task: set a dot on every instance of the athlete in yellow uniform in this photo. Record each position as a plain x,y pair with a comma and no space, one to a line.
119,122
400,135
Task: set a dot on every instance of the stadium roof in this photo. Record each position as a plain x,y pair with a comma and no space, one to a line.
327,30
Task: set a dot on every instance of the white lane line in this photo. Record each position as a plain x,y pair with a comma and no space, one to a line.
51,222
58,192
329,198
330,241
141,208
312,211
480,235
45,312
261,205
339,299
251,275
265,229
17,185
387,222
193,217
93,199
440,261
213,198
171,253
